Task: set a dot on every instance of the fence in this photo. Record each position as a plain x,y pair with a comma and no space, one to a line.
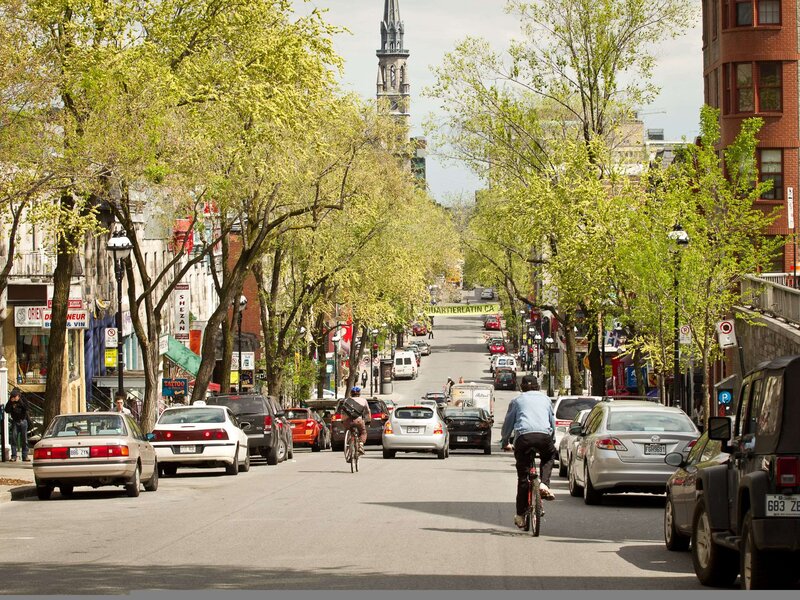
771,296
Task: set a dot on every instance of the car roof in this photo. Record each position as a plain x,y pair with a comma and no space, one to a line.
640,404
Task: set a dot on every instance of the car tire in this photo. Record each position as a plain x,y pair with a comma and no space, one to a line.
673,539
272,455
246,466
170,470
713,564
562,468
152,484
317,445
282,451
66,490
132,487
487,449
290,450
43,492
761,570
590,495
441,454
389,454
575,490
233,468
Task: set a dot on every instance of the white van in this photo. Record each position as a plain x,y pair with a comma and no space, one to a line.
405,364
478,395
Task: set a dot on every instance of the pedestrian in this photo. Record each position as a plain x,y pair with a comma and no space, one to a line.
364,378
460,380
449,386
430,332
119,403
18,418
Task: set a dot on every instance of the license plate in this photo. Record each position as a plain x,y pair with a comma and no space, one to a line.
783,506
462,438
655,449
412,429
187,449
79,452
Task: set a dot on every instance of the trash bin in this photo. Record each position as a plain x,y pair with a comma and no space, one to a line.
386,376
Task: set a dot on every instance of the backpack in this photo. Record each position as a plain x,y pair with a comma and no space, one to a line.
352,408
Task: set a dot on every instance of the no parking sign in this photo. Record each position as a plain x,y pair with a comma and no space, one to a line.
726,334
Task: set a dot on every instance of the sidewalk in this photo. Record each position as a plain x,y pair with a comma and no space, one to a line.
16,480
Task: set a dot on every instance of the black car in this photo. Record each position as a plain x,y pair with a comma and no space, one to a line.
380,414
505,379
285,442
439,397
258,419
469,428
746,517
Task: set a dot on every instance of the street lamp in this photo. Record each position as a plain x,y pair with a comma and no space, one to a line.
239,308
549,345
538,339
120,247
681,239
337,337
373,354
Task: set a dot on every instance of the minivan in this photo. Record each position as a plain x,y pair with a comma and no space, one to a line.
405,364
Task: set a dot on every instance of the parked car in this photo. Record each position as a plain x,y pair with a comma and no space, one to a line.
469,428
419,329
747,514
412,347
379,413
493,323
258,419
497,347
622,445
324,407
505,379
565,409
405,365
424,347
682,490
200,435
487,294
415,428
93,449
285,444
307,429
566,446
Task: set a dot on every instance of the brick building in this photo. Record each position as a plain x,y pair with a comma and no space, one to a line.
750,68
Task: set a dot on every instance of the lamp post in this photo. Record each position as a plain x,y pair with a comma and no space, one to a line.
373,354
239,307
337,337
120,247
681,239
548,343
538,339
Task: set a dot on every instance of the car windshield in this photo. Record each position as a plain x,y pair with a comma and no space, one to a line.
413,413
569,407
658,421
241,405
374,407
504,375
468,413
192,415
88,425
297,413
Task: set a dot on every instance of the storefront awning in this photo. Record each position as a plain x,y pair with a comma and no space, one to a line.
183,357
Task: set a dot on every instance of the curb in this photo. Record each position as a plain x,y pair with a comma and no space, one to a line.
18,493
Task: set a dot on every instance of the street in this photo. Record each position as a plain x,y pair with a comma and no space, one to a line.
414,522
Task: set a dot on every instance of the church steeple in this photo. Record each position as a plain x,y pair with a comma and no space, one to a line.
392,81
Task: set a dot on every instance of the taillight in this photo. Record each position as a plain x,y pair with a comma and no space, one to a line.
388,427
563,423
438,430
690,445
610,444
786,470
267,422
380,416
336,417
104,451
310,424
484,425
162,436
49,453
215,434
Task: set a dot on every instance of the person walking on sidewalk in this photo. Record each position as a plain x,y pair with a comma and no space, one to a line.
119,403
18,419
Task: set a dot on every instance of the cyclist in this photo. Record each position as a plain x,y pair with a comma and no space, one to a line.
360,421
530,418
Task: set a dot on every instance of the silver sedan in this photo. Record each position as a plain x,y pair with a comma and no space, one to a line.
622,445
415,428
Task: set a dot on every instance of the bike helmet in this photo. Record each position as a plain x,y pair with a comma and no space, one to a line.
355,390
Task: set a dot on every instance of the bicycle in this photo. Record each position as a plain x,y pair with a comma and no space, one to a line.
351,448
535,512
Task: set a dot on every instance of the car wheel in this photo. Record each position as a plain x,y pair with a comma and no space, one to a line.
246,466
43,492
152,483
66,490
290,449
233,468
388,454
272,455
590,494
674,539
562,467
170,470
487,449
132,488
714,565
575,490
317,445
282,451
762,570
441,454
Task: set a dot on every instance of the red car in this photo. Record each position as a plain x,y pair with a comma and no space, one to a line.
493,323
306,429
497,348
419,329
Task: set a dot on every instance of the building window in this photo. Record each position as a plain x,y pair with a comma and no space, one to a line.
715,88
770,168
744,88
726,11
726,89
744,13
749,13
769,12
31,355
769,86
757,87
714,19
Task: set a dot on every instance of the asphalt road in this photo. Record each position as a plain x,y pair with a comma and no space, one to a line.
411,523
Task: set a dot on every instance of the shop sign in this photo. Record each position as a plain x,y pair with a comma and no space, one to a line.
182,299
76,319
111,357
71,303
174,387
248,361
29,316
163,344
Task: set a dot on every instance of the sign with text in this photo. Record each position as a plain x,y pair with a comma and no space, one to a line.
174,387
29,316
248,361
76,319
468,309
685,335
111,337
182,299
163,344
111,357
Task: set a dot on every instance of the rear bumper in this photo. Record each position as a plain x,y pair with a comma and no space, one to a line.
303,436
392,441
777,533
474,439
86,471
630,477
205,453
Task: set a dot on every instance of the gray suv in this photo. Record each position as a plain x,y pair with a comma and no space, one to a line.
259,421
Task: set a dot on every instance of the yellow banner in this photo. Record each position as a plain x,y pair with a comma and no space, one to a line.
464,309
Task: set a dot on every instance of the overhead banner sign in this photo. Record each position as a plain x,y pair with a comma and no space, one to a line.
182,299
464,309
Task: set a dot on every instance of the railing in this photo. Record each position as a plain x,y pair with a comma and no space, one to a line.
772,298
780,278
33,264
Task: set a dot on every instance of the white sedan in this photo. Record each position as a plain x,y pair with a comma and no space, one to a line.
200,436
416,428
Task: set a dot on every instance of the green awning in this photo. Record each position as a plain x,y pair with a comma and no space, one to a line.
183,357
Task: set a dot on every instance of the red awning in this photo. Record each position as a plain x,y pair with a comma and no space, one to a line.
212,387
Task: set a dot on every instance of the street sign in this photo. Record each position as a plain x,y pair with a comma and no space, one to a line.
790,206
111,337
685,335
111,357
163,344
726,334
248,361
725,397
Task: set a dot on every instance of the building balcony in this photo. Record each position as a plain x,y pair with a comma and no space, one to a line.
33,266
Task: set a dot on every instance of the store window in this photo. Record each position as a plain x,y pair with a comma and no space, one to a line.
770,168
31,355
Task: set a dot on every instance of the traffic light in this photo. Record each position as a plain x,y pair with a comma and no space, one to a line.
374,351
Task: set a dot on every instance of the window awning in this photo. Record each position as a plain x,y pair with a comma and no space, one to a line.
183,357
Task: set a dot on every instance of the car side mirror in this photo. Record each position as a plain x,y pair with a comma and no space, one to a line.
674,459
150,436
575,429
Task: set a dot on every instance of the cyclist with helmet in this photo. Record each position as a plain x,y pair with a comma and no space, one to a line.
359,421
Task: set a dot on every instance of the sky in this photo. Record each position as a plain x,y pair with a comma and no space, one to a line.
433,27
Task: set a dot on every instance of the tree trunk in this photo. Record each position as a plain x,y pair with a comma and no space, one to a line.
595,356
230,331
638,365
575,385
355,357
321,338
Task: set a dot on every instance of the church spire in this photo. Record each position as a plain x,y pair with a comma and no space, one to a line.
392,83
392,29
